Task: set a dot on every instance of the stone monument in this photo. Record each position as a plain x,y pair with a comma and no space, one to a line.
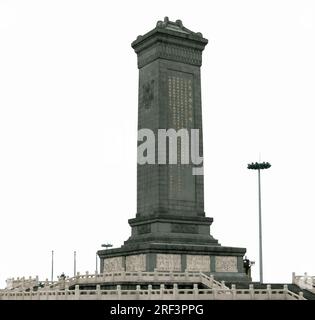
170,231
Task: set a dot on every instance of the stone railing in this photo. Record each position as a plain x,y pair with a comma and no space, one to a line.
22,283
304,282
135,277
155,294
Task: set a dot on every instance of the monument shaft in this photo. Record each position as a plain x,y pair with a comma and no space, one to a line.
170,98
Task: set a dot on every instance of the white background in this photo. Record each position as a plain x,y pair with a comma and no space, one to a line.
68,128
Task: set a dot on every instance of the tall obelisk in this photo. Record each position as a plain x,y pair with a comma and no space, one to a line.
170,231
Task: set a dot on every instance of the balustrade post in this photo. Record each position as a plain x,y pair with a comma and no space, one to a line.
161,291
233,289
175,291
269,291
251,292
285,291
301,295
293,278
77,292
196,292
138,292
98,292
118,291
56,290
149,291
86,278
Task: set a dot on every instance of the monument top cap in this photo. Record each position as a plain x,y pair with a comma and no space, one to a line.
166,30
176,26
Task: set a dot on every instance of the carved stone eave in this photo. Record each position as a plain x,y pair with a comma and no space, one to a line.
163,43
170,51
170,37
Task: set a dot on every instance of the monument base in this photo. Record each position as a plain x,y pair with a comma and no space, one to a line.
224,263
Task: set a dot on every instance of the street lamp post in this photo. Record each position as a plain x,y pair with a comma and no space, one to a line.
74,263
52,265
259,166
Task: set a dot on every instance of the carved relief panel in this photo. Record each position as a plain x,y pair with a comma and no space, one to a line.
113,264
168,262
136,262
225,264
198,263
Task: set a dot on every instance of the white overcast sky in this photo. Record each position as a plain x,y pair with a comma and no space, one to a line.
68,128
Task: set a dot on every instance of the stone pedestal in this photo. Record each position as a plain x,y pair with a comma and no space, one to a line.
225,263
